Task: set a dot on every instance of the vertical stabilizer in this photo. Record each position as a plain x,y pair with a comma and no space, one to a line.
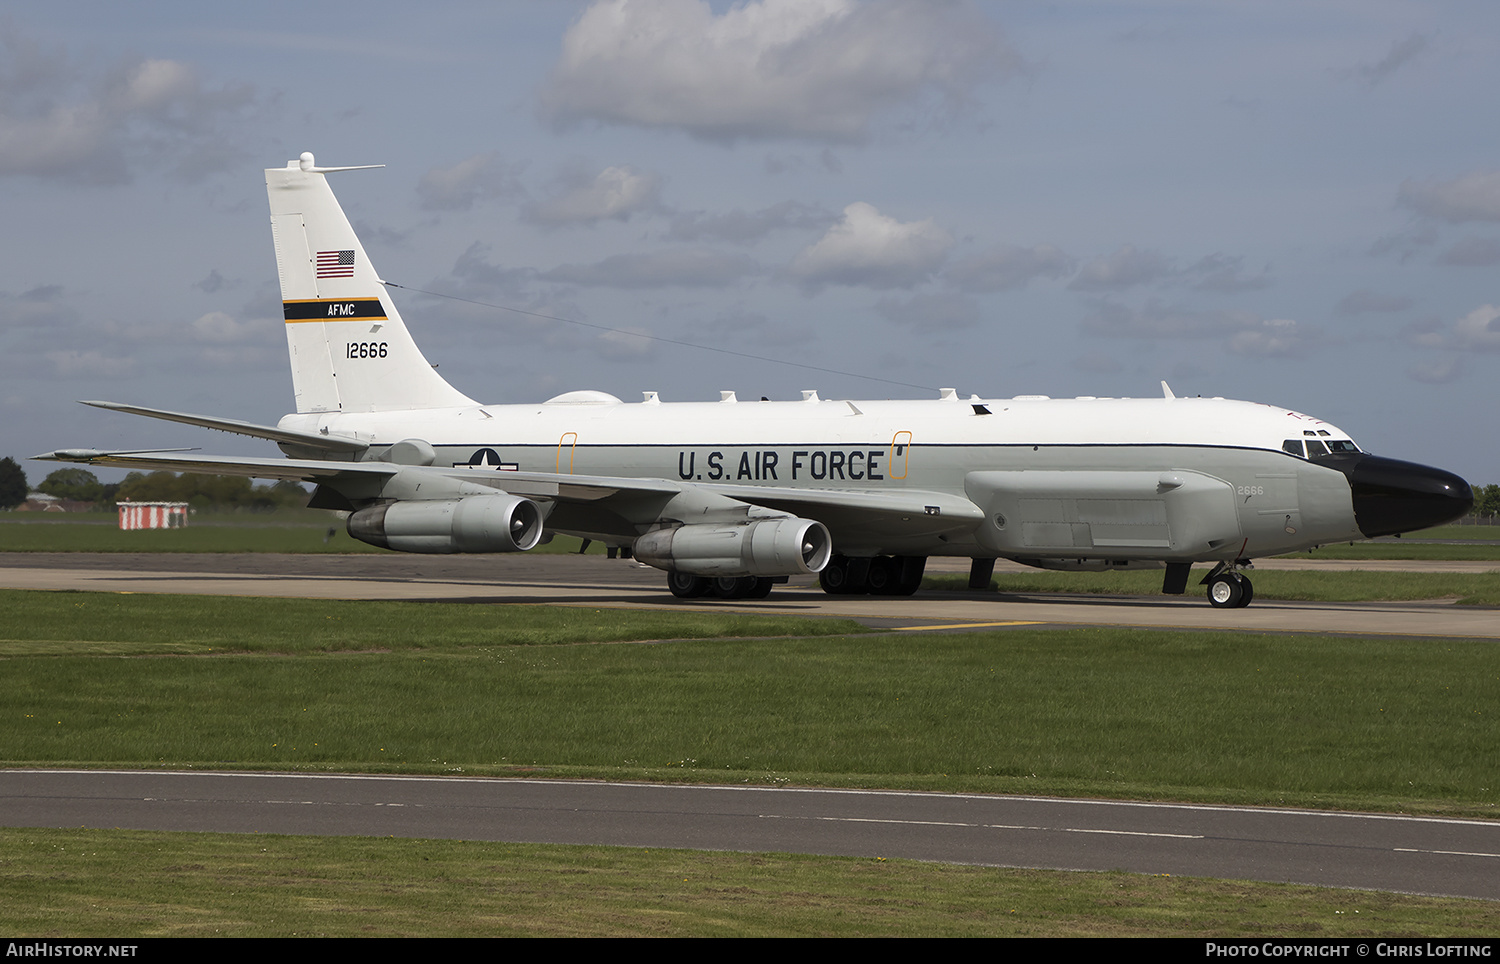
350,351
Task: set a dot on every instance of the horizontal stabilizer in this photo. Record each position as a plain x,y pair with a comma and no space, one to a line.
332,444
306,470
539,485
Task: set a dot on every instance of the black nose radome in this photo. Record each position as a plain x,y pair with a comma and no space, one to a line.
1391,496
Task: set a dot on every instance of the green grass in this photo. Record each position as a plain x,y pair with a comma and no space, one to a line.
131,624
1402,550
1458,532
135,680
294,684
131,884
1471,589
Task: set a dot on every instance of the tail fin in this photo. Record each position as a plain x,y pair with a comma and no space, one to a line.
350,350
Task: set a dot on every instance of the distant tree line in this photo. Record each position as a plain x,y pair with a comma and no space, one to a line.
1486,500
12,483
223,492
210,491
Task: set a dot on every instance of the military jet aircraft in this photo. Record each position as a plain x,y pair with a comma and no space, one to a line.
729,497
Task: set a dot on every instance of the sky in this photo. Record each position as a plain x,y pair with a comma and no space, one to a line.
1291,203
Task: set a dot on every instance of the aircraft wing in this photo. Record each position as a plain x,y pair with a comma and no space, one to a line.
859,517
541,485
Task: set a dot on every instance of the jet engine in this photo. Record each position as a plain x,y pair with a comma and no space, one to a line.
766,547
478,523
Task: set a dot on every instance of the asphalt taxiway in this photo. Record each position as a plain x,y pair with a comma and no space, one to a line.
1416,855
596,581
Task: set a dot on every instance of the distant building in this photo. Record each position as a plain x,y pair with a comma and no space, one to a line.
42,502
153,515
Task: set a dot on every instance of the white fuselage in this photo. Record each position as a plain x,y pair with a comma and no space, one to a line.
1114,451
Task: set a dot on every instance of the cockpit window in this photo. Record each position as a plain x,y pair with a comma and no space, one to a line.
1315,447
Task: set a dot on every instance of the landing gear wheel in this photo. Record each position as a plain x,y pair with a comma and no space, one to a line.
895,575
1228,591
741,587
910,569
883,576
837,580
686,586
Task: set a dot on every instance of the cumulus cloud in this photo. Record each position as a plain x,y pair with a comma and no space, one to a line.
775,68
1226,273
615,193
39,309
1471,197
1478,330
1437,371
1272,338
1127,267
1242,332
867,248
219,327
681,267
927,312
56,122
72,363
748,227
1157,320
474,269
737,325
1007,266
472,179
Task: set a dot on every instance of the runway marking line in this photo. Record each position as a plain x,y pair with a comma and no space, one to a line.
1442,853
1012,622
982,826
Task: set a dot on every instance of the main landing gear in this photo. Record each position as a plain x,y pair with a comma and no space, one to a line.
878,576
686,586
1228,588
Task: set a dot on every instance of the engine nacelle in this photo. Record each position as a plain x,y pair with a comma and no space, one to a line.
767,547
477,523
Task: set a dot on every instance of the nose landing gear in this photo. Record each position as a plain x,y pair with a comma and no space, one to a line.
1228,588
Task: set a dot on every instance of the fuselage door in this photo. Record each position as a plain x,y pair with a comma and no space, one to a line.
900,458
565,447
